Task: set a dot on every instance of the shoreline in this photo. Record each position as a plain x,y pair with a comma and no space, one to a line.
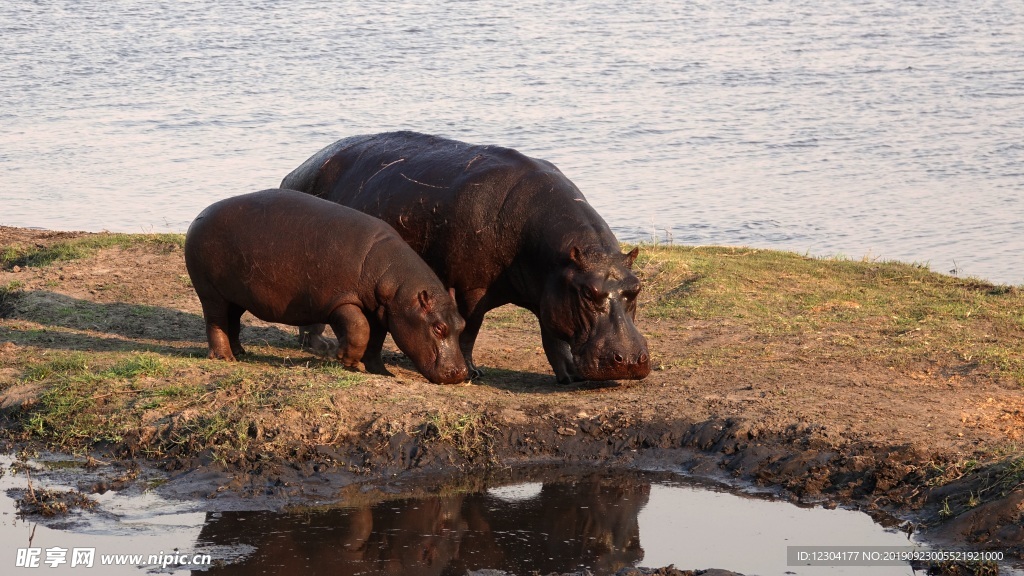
642,239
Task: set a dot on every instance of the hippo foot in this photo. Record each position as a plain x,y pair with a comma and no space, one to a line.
347,364
377,367
567,374
474,373
223,355
319,345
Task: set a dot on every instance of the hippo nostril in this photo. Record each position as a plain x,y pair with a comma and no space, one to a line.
618,359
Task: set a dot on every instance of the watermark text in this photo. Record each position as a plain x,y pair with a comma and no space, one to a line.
882,555
86,558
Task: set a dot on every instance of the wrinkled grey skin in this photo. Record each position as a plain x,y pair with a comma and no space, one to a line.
291,258
500,228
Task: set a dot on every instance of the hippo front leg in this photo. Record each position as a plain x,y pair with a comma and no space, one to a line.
466,342
472,308
560,357
372,359
353,332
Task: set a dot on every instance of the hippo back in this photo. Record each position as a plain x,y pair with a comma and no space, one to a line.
470,211
499,227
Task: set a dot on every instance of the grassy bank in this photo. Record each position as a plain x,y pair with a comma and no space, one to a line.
95,389
893,313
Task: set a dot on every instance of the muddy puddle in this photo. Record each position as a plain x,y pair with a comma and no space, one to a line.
551,521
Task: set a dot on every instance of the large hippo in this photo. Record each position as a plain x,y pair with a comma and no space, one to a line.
500,228
291,258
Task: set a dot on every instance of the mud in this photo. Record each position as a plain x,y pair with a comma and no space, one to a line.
886,481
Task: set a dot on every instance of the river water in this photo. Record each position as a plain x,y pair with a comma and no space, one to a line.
867,128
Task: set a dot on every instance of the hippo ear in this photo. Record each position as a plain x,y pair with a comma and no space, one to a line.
451,292
631,257
576,255
425,303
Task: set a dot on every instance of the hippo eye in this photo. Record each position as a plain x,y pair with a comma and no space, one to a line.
593,294
440,330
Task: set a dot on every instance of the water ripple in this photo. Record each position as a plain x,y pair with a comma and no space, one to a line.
865,127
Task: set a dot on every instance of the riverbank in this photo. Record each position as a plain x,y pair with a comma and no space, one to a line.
875,384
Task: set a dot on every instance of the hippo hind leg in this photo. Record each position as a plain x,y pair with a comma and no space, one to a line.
216,312
235,328
560,357
311,338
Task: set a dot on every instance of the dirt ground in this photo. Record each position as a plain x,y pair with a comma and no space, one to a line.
723,400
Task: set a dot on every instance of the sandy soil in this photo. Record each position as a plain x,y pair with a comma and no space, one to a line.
781,411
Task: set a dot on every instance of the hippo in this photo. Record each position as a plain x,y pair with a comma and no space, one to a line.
500,228
295,259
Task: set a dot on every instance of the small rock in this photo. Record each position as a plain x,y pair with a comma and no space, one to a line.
564,431
16,269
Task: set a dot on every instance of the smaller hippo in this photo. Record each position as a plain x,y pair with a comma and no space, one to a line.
295,259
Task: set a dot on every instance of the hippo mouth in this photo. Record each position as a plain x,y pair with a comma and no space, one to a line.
615,366
445,371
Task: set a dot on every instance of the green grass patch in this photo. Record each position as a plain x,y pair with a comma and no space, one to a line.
339,377
76,248
136,365
470,434
180,391
64,365
890,311
73,413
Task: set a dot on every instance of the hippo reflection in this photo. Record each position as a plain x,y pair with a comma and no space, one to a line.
590,521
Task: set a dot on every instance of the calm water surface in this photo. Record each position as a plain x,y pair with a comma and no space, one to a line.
869,128
560,521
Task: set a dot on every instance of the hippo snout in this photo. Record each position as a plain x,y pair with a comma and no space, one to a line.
631,361
630,366
617,365
451,375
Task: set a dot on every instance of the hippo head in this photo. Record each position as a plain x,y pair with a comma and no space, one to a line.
426,326
590,303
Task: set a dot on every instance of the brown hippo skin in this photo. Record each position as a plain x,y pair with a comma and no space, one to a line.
500,228
290,258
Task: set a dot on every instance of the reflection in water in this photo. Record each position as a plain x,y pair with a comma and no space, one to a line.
589,522
562,521
599,521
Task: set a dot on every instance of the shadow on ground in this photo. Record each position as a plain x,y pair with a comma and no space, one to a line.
71,323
